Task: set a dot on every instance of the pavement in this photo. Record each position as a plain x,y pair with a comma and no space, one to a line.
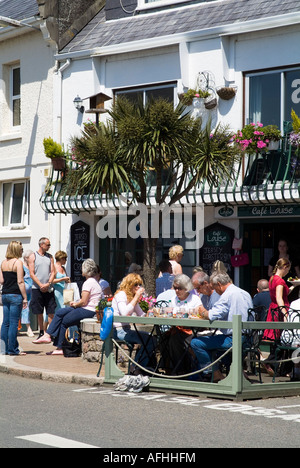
37,364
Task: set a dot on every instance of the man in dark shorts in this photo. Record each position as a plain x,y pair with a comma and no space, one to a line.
42,272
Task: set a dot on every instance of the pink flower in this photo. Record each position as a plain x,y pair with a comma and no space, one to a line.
261,144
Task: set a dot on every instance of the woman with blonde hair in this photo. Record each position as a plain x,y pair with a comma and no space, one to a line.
175,257
126,303
14,297
60,279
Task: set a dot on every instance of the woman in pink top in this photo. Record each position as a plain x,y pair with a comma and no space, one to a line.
69,316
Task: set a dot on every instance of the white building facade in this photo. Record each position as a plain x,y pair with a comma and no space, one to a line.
150,49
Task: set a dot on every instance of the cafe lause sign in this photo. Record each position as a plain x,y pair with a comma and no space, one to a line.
217,246
270,211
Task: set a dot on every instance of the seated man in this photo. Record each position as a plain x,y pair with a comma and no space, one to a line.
233,301
262,299
205,290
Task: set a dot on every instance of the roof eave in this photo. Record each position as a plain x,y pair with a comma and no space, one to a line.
244,27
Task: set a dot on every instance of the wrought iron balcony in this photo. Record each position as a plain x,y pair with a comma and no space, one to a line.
264,178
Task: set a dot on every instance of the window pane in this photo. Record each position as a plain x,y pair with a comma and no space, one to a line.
132,96
16,82
292,94
17,204
165,93
16,112
265,99
6,203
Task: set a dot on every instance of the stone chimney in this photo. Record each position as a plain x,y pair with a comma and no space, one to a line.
65,18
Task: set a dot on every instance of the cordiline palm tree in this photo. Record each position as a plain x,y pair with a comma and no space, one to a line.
153,145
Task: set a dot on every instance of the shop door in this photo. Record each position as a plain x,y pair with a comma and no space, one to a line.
260,240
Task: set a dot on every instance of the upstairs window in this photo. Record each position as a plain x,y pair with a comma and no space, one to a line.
272,95
15,88
15,204
166,91
145,4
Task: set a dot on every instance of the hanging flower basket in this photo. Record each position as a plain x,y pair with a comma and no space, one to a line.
226,92
211,104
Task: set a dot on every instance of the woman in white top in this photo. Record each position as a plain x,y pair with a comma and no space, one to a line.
84,308
126,303
180,337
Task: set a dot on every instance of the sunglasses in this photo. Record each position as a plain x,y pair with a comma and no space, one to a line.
137,284
178,287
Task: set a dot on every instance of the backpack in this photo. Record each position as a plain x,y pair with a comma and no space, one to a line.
107,321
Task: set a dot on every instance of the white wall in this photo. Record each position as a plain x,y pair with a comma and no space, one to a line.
21,153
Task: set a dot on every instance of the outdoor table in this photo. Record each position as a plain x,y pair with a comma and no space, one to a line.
234,386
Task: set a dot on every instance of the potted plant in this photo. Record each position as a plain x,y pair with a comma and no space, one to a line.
294,138
191,94
101,306
55,152
251,138
273,134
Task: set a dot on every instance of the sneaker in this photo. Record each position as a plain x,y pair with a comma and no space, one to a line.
127,384
120,382
140,383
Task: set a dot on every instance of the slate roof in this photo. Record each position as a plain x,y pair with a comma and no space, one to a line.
19,9
100,33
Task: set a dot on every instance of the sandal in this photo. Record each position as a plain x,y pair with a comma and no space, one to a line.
57,352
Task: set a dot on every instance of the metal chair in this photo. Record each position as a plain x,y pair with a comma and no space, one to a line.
130,347
254,339
285,344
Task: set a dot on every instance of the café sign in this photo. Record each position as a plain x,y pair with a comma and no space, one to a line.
268,211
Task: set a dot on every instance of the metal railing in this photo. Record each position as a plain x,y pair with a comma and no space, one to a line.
235,386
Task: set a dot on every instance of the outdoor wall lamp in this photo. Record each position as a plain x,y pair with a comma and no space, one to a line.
78,104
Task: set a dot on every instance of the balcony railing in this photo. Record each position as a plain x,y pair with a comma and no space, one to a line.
264,178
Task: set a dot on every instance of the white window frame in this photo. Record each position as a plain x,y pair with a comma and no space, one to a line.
144,5
14,97
279,71
144,89
24,218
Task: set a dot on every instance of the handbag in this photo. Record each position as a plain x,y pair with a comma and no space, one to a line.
68,295
72,346
240,259
237,244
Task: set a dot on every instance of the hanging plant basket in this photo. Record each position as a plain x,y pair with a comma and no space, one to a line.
226,92
58,164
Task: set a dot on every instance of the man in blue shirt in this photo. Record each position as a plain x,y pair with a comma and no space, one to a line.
233,301
165,281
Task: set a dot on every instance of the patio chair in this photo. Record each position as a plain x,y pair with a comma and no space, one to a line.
254,339
289,340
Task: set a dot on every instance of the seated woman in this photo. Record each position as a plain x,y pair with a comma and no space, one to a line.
69,316
180,337
126,302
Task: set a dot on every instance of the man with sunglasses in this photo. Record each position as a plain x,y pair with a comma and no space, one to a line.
205,290
233,301
42,272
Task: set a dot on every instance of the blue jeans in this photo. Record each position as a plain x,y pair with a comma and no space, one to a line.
131,336
12,308
204,346
65,318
